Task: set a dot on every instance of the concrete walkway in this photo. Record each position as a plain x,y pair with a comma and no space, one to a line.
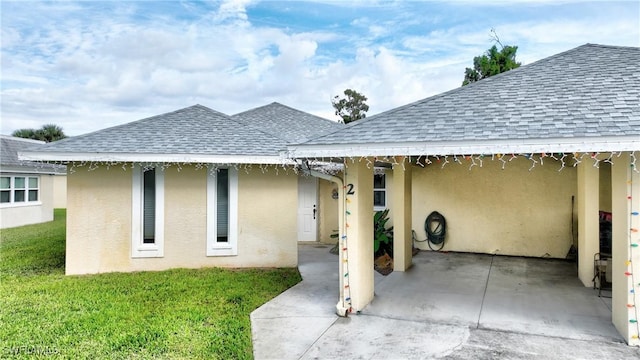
453,306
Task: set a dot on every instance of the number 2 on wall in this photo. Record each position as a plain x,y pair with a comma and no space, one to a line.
350,189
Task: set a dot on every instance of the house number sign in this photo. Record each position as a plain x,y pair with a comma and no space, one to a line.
350,190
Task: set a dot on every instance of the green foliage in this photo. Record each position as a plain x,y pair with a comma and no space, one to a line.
352,107
491,63
48,133
382,237
175,314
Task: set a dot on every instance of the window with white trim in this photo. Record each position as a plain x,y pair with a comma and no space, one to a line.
147,223
222,212
19,190
379,192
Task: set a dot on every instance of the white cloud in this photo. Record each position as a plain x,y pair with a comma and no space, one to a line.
85,68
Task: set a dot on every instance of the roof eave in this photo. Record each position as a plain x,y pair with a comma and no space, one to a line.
441,148
65,157
32,169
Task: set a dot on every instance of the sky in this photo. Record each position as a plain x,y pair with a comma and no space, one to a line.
88,65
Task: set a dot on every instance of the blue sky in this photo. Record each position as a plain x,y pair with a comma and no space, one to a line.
87,65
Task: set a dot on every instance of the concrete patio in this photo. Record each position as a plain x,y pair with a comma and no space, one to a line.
448,305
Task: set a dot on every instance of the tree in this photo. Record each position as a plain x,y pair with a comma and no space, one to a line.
352,107
25,133
46,133
491,63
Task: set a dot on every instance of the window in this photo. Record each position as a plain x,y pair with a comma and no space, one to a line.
19,190
149,207
222,212
147,225
379,192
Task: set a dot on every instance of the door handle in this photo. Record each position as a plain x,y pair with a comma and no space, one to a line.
314,212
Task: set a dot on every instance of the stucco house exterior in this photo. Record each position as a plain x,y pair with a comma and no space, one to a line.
519,164
190,188
29,191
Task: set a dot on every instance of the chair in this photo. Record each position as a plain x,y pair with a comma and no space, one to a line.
602,272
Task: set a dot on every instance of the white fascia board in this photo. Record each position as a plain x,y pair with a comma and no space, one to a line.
441,148
153,158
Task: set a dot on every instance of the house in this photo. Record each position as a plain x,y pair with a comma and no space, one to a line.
518,164
190,188
29,191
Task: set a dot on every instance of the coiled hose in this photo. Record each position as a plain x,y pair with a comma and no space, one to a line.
436,228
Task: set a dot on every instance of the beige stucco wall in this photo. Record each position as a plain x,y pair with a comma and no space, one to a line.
99,221
605,187
489,210
60,191
12,216
328,211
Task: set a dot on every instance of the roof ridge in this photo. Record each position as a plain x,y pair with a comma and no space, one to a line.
285,106
196,106
17,138
304,112
610,46
239,118
235,118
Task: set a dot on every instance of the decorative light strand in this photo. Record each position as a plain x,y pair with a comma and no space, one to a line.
331,165
633,247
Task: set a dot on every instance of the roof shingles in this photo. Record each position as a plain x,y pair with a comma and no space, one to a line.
195,131
192,130
577,93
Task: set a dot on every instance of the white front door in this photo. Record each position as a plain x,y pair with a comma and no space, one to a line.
307,208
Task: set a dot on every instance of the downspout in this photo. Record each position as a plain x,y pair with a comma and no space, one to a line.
342,307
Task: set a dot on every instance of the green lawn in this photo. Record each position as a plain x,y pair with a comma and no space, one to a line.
176,314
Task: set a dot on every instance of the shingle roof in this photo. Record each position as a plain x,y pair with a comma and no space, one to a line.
9,148
195,130
193,134
287,123
587,92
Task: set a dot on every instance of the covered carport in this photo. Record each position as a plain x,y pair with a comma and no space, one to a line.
538,113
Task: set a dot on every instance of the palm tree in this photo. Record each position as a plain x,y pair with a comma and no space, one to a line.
25,133
47,133
50,132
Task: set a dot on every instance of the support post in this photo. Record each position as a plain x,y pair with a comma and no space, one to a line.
359,230
401,204
588,220
625,201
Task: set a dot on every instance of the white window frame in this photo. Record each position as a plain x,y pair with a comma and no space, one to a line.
138,248
384,190
12,189
229,247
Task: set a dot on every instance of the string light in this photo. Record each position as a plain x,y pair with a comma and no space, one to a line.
633,246
329,165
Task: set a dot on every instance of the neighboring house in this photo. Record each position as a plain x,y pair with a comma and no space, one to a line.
518,164
190,188
27,189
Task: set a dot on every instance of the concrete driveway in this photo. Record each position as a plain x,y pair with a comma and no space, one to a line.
448,305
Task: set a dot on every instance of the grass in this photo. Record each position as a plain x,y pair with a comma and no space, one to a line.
175,314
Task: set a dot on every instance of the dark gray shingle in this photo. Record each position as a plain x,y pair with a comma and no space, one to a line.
195,130
9,148
589,91
289,124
